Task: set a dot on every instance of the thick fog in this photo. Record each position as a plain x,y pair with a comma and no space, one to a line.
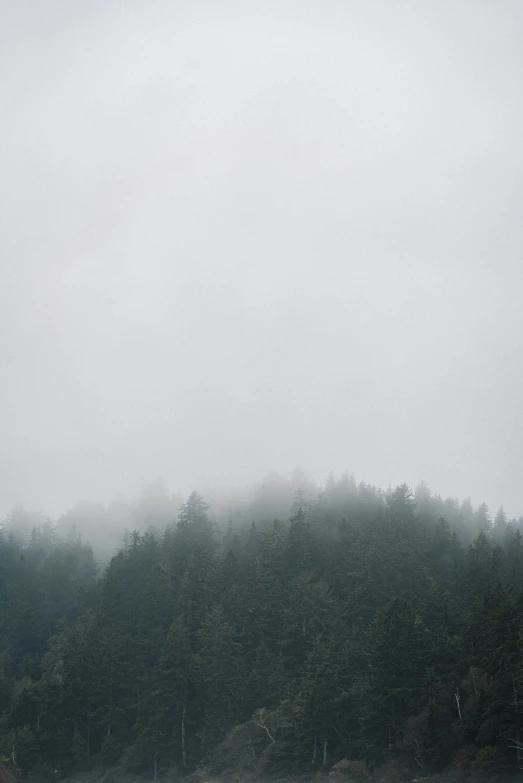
242,237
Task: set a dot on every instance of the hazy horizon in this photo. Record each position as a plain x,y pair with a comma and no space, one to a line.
241,237
222,500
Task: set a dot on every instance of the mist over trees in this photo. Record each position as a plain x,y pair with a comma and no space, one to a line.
361,625
245,234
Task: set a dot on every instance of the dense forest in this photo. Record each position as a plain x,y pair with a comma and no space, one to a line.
361,627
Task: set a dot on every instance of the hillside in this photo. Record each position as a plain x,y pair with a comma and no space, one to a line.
367,633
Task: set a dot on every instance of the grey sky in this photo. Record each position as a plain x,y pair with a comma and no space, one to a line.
245,236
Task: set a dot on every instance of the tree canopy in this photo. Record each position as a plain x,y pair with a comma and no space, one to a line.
363,625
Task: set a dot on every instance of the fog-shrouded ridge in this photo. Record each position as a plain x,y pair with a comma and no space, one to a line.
237,237
365,636
106,526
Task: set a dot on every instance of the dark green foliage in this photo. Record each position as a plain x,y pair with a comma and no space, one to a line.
371,627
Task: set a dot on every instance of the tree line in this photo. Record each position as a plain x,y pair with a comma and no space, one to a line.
366,626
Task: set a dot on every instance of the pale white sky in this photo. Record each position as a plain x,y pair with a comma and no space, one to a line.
244,236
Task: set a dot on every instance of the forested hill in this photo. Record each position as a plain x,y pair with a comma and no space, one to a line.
377,628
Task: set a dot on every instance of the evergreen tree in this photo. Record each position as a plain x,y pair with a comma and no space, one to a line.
374,626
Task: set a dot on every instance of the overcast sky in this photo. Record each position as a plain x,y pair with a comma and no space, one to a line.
247,236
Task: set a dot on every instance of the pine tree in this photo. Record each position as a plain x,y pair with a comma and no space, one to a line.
221,674
175,682
392,688
300,547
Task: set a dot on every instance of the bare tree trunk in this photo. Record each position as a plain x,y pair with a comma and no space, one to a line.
325,751
518,725
418,753
261,723
184,757
457,697
155,766
314,749
202,745
111,684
